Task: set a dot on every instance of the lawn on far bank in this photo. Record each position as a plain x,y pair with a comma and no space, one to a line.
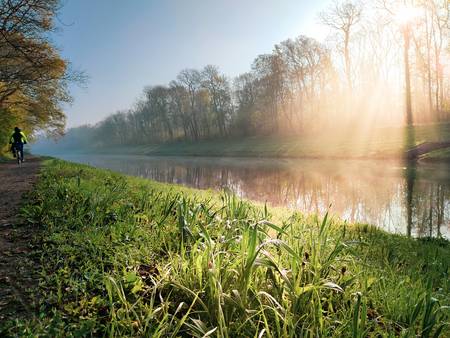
356,142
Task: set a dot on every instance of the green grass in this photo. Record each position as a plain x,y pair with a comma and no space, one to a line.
123,256
437,155
357,142
5,155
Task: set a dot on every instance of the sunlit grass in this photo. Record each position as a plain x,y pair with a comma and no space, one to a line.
124,256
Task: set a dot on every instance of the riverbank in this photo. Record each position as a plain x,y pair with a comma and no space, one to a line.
123,256
357,143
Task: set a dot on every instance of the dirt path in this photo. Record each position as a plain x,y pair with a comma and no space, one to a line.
17,267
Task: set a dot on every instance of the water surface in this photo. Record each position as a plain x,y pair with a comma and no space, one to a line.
412,200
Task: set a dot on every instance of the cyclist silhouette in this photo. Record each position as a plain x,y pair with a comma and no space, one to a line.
17,140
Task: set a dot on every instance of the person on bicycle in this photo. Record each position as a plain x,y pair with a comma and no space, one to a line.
17,140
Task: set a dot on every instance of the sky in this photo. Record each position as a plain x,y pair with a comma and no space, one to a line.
124,46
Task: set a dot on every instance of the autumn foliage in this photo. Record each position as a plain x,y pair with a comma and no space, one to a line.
33,76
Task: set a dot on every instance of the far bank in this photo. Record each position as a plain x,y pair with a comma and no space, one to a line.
425,142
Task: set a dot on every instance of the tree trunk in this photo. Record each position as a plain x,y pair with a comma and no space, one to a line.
347,60
406,37
430,97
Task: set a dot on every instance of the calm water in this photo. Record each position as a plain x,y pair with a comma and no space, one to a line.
411,200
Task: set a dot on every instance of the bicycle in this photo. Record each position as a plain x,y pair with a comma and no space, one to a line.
18,154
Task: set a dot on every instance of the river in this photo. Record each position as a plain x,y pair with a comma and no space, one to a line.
412,200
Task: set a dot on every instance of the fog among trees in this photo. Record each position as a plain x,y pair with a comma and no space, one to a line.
384,63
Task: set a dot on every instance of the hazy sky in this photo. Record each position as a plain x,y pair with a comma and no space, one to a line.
124,46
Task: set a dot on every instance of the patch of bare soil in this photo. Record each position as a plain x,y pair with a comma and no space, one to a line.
17,265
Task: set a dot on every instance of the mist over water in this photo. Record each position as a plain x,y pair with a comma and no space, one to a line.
414,201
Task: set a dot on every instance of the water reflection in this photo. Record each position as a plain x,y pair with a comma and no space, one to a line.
413,200
410,178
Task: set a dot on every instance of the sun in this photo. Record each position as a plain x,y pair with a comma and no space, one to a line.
406,15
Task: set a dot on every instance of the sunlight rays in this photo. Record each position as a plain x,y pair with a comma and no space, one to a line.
406,15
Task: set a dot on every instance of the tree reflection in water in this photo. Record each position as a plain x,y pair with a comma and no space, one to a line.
413,200
410,178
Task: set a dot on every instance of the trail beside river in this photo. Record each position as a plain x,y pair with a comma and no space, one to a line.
17,267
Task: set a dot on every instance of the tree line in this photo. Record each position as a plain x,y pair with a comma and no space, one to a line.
383,64
283,91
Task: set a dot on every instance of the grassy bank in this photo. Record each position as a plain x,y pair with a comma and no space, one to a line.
123,256
357,142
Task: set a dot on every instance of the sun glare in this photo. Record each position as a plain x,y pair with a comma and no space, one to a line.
406,15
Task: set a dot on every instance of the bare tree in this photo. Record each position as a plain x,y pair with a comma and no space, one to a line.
306,64
343,18
245,95
269,73
158,100
219,92
440,30
191,80
179,104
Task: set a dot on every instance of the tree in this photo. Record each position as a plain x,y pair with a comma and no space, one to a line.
190,79
179,105
343,17
406,32
307,67
269,73
33,77
440,29
158,101
245,93
218,89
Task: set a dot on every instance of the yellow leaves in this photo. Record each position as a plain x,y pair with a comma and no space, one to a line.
33,76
